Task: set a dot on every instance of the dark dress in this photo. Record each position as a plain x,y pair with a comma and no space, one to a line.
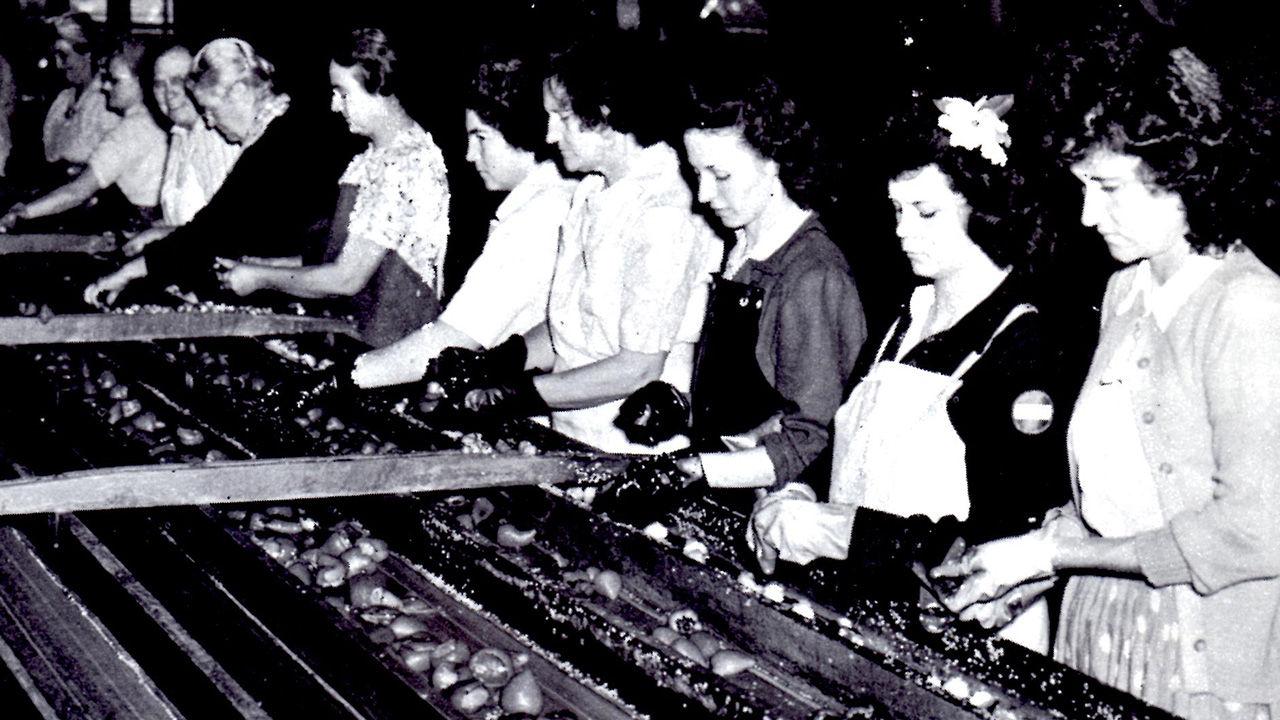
276,202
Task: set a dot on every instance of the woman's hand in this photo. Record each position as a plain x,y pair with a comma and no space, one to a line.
239,278
995,614
11,218
791,525
114,283
993,569
141,240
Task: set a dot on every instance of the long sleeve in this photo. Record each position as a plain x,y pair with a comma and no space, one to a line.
820,329
1234,536
282,187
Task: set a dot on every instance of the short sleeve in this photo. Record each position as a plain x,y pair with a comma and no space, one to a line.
402,205
668,255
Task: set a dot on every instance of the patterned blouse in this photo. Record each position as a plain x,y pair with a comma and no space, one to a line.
402,202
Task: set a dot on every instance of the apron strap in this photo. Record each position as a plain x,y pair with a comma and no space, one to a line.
973,357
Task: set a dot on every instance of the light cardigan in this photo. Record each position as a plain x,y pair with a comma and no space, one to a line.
1207,409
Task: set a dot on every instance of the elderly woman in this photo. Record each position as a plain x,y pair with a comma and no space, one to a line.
784,323
399,212
953,420
1171,541
505,291
628,292
279,189
130,158
199,157
78,119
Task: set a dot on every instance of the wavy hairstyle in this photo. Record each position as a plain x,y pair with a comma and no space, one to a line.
507,95
374,61
226,61
1002,222
626,84
1168,108
770,123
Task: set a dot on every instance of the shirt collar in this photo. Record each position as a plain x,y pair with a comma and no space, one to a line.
543,175
1163,301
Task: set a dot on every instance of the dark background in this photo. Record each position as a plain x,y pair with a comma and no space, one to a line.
849,64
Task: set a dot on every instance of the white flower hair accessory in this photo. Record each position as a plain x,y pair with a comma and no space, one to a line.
977,126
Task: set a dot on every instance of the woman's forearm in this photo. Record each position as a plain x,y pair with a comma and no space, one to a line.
64,198
1116,555
600,382
313,281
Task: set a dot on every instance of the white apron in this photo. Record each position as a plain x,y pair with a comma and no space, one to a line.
896,451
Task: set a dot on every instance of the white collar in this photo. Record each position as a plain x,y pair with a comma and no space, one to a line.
543,175
764,247
1164,300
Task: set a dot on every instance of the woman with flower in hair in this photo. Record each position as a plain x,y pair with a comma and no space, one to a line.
951,430
1171,542
397,228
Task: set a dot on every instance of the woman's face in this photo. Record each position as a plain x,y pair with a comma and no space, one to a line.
75,65
733,179
229,109
933,221
1136,218
358,106
122,87
170,88
500,164
583,149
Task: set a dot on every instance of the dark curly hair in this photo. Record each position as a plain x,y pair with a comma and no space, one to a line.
770,124
374,61
507,95
1001,221
1168,108
626,84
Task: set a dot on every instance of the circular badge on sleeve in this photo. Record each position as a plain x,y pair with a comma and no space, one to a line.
1033,412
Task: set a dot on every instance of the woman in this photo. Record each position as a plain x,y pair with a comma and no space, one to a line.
954,417
1171,542
78,119
400,210
199,157
130,158
280,188
505,291
784,323
628,290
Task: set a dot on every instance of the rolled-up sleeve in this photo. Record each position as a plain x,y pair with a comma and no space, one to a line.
817,338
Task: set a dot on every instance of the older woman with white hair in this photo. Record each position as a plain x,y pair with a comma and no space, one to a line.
278,190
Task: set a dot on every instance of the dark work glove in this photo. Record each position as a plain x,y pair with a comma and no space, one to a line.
457,371
651,486
885,546
516,397
652,414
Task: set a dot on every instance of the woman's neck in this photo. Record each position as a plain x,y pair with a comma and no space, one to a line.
1168,262
619,162
959,292
780,217
270,107
394,121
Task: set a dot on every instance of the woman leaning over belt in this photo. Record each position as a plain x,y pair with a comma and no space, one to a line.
629,287
951,431
784,323
1171,542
